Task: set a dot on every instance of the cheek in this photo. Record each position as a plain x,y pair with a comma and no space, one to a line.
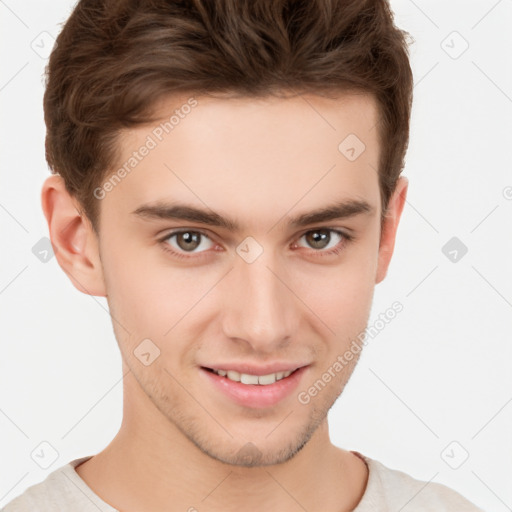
148,294
342,303
341,295
136,288
147,304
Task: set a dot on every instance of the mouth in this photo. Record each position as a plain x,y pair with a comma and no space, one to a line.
252,390
247,378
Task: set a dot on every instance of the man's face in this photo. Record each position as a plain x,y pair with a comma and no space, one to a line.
271,293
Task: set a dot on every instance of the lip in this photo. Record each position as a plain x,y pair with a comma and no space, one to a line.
255,395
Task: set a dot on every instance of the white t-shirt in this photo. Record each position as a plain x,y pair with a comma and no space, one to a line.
387,490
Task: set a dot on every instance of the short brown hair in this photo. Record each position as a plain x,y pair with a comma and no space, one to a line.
114,60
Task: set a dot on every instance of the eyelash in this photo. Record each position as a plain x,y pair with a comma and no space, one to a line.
346,239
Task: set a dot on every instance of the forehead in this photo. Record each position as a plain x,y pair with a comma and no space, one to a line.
247,154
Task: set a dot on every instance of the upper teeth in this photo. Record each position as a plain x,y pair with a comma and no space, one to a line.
246,378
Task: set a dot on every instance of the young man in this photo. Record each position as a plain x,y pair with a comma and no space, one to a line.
227,174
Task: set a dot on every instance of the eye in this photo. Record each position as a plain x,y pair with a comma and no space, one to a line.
186,241
322,241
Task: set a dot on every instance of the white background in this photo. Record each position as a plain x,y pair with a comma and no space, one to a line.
438,373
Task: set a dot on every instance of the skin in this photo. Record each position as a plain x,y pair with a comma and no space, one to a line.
258,162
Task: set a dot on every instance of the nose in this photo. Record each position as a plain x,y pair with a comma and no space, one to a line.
260,308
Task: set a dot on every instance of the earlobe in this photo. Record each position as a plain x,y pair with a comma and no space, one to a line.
73,239
390,226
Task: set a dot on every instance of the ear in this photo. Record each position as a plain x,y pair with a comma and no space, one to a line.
389,227
74,241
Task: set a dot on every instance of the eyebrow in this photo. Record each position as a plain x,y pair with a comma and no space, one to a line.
179,211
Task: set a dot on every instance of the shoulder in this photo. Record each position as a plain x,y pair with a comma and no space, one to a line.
62,489
390,489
